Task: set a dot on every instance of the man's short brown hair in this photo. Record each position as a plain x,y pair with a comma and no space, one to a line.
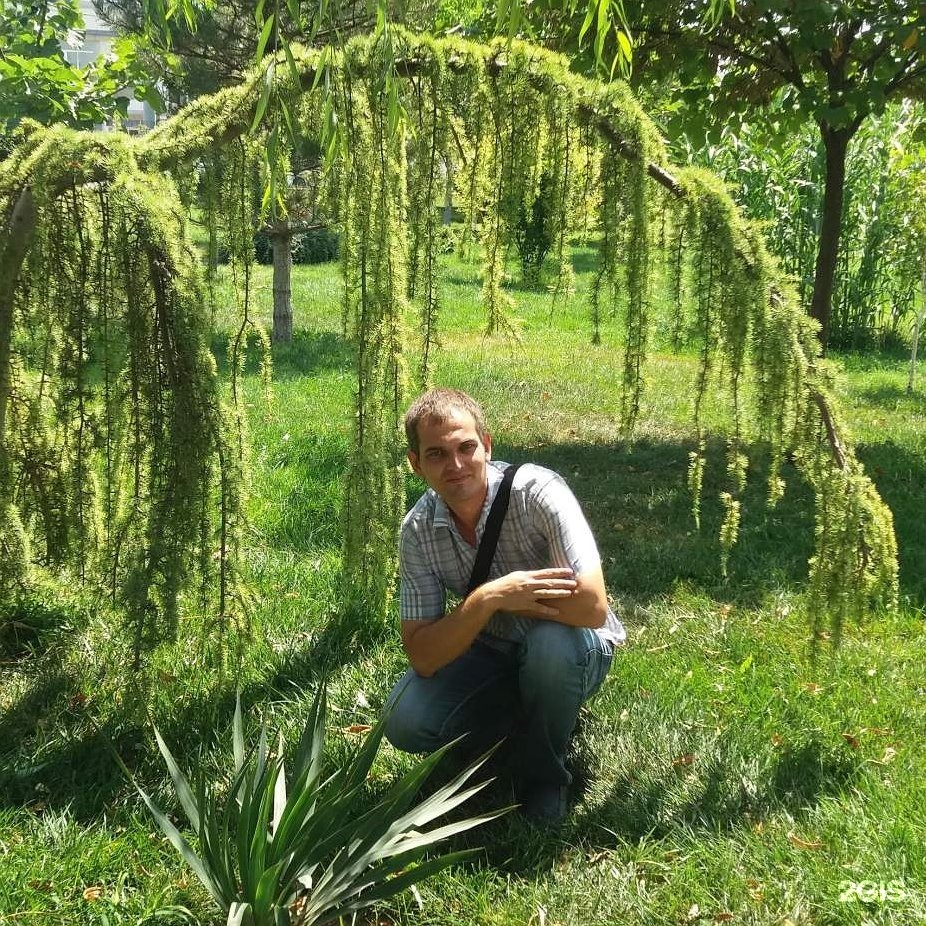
438,405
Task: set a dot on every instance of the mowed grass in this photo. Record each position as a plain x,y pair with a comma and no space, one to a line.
725,772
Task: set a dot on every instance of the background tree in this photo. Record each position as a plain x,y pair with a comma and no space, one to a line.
779,183
37,82
833,64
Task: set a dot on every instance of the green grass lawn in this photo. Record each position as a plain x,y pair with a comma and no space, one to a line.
725,773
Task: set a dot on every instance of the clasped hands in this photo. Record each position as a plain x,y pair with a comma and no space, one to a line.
527,592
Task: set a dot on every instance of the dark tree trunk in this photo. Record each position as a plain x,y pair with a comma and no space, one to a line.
448,194
15,239
282,242
835,144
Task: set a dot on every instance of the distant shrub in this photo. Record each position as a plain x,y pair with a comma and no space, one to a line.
318,246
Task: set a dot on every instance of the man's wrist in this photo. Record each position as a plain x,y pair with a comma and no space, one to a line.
482,600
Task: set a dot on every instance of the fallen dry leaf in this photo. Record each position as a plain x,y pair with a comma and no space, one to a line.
812,687
777,739
93,893
357,728
597,857
694,911
682,761
756,891
851,739
804,843
889,753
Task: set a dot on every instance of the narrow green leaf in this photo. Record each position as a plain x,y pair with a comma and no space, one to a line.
589,19
183,847
291,63
312,741
240,914
601,29
321,71
238,735
279,794
181,785
392,886
266,88
264,38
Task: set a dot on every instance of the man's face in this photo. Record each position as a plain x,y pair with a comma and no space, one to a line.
452,458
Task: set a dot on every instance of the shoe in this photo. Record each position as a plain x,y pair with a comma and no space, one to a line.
546,804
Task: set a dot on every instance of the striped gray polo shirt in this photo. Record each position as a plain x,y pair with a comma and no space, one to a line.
543,528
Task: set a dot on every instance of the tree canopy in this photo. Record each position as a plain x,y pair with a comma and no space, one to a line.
36,80
832,63
103,339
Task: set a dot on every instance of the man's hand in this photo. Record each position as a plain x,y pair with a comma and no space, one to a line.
544,594
527,592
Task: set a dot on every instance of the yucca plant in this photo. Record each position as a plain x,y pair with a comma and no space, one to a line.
306,848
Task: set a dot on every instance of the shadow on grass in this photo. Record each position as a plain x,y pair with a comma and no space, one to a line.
79,771
900,477
27,623
309,352
637,502
709,795
712,793
892,396
636,499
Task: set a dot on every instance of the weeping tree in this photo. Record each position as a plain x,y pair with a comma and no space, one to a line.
122,462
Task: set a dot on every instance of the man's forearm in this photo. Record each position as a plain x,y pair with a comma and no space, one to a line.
434,644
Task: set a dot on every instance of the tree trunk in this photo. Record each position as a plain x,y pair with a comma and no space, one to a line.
836,144
282,242
918,324
14,242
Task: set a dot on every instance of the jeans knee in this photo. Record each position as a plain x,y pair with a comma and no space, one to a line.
406,728
560,660
555,648
410,724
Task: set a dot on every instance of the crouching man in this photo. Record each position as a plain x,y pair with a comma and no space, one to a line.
518,654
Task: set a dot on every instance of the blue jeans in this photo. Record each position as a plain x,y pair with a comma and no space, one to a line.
531,690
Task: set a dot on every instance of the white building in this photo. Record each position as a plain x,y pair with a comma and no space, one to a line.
97,40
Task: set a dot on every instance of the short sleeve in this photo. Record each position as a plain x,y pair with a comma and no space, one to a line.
421,593
560,518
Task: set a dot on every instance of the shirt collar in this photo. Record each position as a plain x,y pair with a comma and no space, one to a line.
443,517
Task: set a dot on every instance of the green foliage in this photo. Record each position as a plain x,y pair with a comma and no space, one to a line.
307,847
118,454
778,183
830,65
387,108
37,82
14,551
532,236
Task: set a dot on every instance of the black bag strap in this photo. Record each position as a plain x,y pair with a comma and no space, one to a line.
486,552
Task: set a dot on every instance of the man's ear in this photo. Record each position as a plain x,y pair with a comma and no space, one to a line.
412,458
487,443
